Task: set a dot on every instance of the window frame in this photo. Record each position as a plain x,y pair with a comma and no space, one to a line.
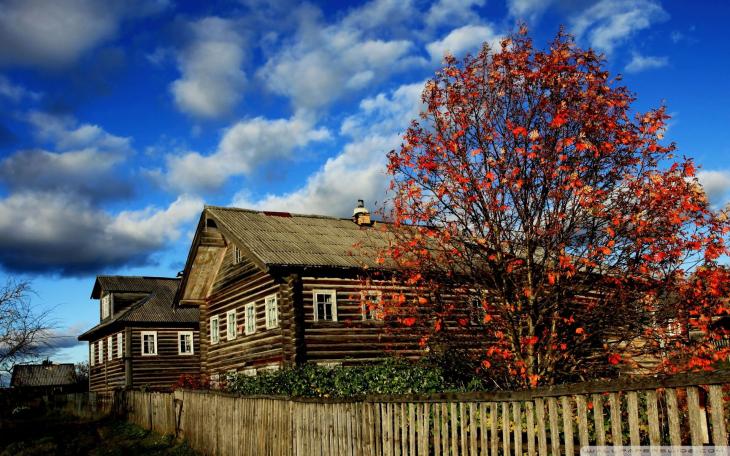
109,349
100,351
217,338
231,331
142,334
237,255
120,345
267,310
367,312
106,306
250,323
333,294
92,353
192,343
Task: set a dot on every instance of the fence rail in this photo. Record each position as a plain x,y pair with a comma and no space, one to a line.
681,410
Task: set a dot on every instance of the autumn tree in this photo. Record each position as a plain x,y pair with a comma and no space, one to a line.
530,186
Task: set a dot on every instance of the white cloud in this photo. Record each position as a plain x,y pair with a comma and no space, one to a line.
717,185
359,170
448,12
608,23
212,79
529,10
468,38
52,232
325,62
15,92
242,148
50,33
65,133
640,63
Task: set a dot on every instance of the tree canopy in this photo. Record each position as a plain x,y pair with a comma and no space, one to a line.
535,189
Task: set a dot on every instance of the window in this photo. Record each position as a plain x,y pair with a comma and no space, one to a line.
372,305
100,348
92,355
250,318
149,343
237,257
214,335
325,305
231,324
105,306
272,312
120,347
109,348
185,342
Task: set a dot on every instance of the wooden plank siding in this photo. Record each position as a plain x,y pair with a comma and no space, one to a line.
159,371
235,286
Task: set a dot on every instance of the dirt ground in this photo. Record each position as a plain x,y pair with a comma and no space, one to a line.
56,434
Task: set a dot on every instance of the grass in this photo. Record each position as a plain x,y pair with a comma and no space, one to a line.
66,435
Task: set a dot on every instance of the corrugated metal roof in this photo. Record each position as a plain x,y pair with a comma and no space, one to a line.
156,307
303,240
43,375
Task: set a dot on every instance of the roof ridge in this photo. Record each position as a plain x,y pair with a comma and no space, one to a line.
263,212
119,276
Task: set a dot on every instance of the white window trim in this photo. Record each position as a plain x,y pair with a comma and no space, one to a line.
141,338
231,330
100,351
106,306
109,348
214,338
271,301
249,327
92,353
333,293
366,308
120,345
192,343
237,255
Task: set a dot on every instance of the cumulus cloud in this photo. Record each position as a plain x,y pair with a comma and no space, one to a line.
359,170
640,63
50,33
15,92
529,10
324,62
243,147
717,185
51,232
212,80
468,38
608,23
447,12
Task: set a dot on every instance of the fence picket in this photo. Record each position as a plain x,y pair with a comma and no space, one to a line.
554,431
717,415
582,411
494,434
541,434
517,424
615,406
597,401
633,409
505,428
693,411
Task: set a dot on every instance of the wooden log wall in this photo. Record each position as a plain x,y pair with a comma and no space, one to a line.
164,369
104,377
687,410
235,286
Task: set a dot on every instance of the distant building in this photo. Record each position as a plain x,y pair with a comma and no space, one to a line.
44,378
141,339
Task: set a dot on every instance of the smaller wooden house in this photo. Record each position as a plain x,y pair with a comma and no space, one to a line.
44,378
141,340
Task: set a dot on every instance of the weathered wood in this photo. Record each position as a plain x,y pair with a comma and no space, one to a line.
694,414
541,433
444,429
483,434
633,410
615,407
423,445
505,428
436,428
454,430
517,425
582,411
567,410
717,415
530,422
597,401
494,434
554,431
463,422
472,428
412,429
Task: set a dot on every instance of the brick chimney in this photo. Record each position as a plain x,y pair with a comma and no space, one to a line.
361,215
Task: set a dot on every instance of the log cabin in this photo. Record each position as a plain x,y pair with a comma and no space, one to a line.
141,340
277,289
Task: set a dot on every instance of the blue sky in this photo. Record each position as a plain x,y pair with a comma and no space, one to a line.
120,119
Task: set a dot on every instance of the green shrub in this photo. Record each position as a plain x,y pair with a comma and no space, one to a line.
393,376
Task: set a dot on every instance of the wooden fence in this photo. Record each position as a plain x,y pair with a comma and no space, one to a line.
679,410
